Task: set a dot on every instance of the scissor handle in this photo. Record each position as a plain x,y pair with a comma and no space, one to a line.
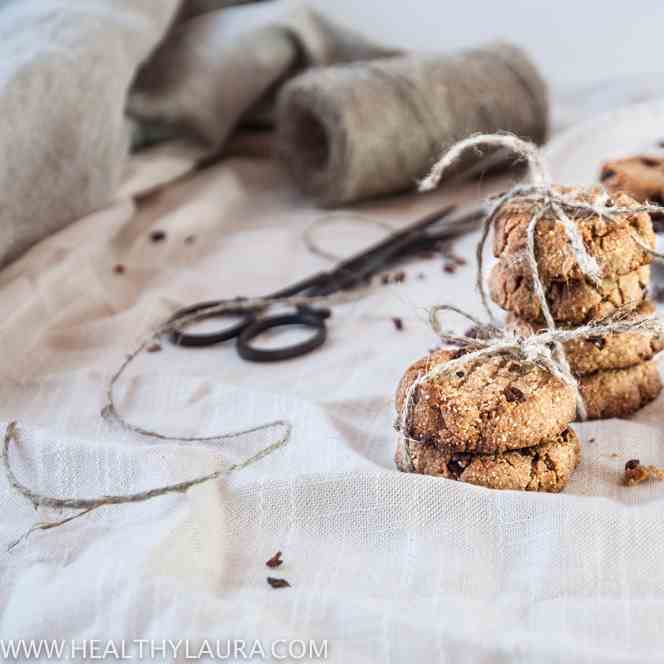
311,318
202,339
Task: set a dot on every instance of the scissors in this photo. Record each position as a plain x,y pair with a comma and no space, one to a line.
349,273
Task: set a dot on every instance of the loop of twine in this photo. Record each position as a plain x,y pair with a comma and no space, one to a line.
111,413
87,505
544,349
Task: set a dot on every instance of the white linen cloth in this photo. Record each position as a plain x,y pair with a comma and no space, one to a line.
385,566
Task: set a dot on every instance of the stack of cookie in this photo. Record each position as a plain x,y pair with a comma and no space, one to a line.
616,376
494,422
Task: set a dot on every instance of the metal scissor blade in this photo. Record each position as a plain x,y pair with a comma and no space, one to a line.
387,245
375,258
450,229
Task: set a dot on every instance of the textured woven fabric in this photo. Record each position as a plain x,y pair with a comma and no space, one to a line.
73,69
385,566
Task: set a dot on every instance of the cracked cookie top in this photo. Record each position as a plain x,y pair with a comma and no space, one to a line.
570,302
488,405
544,467
612,243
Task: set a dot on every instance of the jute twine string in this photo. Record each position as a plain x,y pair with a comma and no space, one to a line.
544,349
87,505
110,412
538,350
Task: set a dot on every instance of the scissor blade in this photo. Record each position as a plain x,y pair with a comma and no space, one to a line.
394,241
450,229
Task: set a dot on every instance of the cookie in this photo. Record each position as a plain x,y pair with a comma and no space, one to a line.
642,177
612,243
544,467
570,302
618,350
489,405
620,392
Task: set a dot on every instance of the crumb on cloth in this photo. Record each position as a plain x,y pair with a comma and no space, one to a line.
635,473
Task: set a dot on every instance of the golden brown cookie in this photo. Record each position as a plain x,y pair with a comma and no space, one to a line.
620,392
641,176
544,467
570,302
612,243
489,405
619,350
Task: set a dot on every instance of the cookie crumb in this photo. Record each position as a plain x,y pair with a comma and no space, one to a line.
392,278
635,473
190,239
275,561
154,348
398,323
450,268
158,236
119,269
278,583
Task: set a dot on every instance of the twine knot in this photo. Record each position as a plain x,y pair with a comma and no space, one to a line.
542,349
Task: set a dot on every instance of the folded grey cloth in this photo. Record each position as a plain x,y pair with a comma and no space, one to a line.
212,72
68,67
81,79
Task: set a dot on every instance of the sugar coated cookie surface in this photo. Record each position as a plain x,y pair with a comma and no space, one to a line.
611,242
489,405
620,392
570,302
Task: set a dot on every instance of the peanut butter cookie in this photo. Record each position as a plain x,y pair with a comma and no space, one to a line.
570,302
612,243
544,467
618,350
620,392
488,405
642,177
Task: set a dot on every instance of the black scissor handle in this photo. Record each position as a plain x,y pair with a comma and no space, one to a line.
202,339
314,319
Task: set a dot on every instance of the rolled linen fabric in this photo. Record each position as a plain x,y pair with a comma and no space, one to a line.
356,131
